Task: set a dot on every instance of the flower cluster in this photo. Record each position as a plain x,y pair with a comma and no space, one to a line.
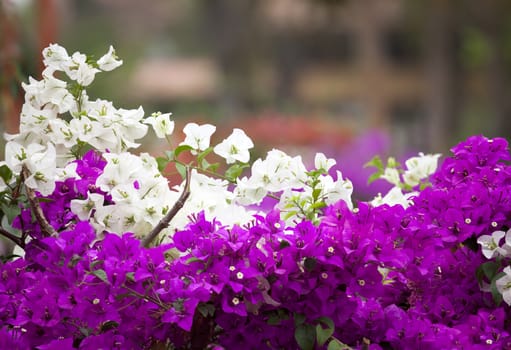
115,257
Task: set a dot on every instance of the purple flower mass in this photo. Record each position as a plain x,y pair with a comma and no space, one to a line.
381,277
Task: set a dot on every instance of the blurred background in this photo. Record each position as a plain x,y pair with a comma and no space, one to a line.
351,78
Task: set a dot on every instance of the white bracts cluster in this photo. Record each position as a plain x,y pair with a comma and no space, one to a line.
57,115
287,178
59,122
418,168
141,195
492,248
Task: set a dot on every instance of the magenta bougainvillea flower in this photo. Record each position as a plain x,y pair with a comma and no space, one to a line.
383,277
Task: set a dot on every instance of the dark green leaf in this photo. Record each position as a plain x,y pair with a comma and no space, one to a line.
323,334
305,335
5,173
108,325
101,274
193,260
206,309
309,264
299,319
130,276
10,211
335,344
284,244
489,269
497,297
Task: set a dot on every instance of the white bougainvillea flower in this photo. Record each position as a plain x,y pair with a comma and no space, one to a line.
161,123
391,175
507,244
79,70
333,191
249,192
55,58
109,61
503,285
235,147
40,161
491,244
321,162
83,207
48,93
395,196
198,136
420,167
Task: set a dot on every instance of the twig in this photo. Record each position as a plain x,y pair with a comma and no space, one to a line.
164,223
46,228
18,240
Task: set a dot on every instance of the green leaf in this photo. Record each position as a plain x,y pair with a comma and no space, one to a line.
299,319
310,264
274,319
204,164
315,193
130,276
162,163
335,344
203,154
234,171
392,163
318,205
489,269
85,331
305,335
497,297
10,211
180,149
284,244
206,309
375,162
181,169
193,260
101,274
289,214
5,173
213,167
323,334
108,325
170,155
375,176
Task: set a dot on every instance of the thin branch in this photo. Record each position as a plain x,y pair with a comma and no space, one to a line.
46,228
18,240
164,223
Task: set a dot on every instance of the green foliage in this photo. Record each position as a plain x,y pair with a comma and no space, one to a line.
378,164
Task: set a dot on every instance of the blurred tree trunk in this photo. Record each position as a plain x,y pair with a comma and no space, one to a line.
442,74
